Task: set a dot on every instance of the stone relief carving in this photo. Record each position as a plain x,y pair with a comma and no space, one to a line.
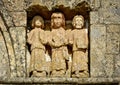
37,40
56,61
79,40
58,43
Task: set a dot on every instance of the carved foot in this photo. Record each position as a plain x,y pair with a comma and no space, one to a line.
84,74
39,74
78,74
60,73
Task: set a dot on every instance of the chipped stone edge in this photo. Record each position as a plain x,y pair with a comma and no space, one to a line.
59,80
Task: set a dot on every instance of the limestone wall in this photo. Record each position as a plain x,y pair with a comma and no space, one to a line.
103,18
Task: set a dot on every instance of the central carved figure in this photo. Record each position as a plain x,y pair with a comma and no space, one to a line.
58,43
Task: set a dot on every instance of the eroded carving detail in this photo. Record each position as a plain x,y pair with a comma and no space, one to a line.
56,61
79,40
58,43
37,40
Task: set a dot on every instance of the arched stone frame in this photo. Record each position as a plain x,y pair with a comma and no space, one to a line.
9,49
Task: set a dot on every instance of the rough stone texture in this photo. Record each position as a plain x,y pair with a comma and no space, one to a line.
8,20
97,50
94,17
66,81
19,18
107,14
19,43
117,65
14,5
110,11
27,61
113,42
4,59
9,47
52,3
113,47
95,4
104,44
109,65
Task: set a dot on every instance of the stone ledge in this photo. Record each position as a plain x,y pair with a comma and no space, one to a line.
60,80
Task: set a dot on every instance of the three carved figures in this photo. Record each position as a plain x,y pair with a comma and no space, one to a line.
58,62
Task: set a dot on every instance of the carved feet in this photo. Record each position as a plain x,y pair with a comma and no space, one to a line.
78,74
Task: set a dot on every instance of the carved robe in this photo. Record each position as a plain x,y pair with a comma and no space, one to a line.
59,50
36,38
79,41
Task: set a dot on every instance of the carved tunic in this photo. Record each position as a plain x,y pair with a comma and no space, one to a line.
59,50
79,41
36,39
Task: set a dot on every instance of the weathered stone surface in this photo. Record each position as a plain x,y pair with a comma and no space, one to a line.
1,4
113,29
11,54
14,5
19,18
63,81
97,50
9,47
117,65
113,40
27,61
19,42
94,17
52,3
110,11
4,13
104,47
108,3
95,4
109,65
4,59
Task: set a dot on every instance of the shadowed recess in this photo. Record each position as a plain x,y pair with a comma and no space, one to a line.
82,8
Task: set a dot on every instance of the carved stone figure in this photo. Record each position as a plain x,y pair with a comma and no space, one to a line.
57,42
79,40
37,40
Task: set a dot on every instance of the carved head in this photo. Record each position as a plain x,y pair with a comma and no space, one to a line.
37,21
57,20
78,21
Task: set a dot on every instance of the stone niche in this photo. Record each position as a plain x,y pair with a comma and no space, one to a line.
38,10
101,23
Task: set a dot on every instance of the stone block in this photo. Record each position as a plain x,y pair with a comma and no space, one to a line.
113,28
18,35
4,59
109,65
14,5
19,18
113,39
11,54
94,17
117,65
7,18
112,46
97,50
95,4
108,3
110,11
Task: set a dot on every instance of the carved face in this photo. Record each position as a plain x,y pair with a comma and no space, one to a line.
78,22
57,20
38,23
